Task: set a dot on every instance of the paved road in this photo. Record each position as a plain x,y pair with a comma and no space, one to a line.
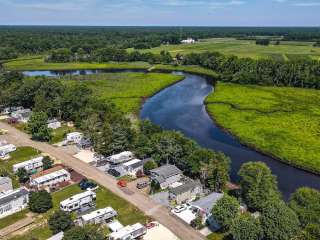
141,201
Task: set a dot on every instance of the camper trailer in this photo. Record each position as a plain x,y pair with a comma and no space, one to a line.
97,217
129,232
31,165
78,201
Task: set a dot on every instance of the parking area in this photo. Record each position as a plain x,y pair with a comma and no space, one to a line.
161,198
187,215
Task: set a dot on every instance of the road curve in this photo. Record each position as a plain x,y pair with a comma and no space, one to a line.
145,204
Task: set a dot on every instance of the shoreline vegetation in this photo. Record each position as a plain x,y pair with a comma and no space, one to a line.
40,64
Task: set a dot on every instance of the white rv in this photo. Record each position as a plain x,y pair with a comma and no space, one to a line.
121,157
78,201
6,149
97,217
129,232
30,165
74,137
54,124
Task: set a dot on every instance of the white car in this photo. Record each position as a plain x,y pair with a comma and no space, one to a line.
179,209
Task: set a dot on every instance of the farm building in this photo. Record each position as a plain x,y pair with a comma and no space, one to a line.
97,217
166,175
132,167
120,158
50,177
54,124
13,201
78,201
188,191
5,184
22,115
129,232
30,166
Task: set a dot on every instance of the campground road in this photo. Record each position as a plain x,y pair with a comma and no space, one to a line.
145,204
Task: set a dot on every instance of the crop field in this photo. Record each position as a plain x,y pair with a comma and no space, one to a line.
126,90
245,48
283,122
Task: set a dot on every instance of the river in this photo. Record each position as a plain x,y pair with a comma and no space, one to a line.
181,107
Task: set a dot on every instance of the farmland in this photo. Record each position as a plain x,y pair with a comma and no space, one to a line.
283,122
246,48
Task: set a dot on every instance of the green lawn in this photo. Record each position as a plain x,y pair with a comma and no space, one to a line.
20,155
59,134
126,90
215,236
244,48
281,121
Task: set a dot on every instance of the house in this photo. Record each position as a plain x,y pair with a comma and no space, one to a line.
54,124
50,177
22,115
129,232
13,201
121,158
78,201
188,191
97,217
5,184
166,175
74,137
32,165
188,41
133,166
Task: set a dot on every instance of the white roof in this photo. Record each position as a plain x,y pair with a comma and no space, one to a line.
97,213
58,236
115,226
73,134
50,176
121,157
131,162
127,230
76,197
8,146
31,161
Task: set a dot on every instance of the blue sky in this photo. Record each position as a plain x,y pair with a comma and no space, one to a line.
161,12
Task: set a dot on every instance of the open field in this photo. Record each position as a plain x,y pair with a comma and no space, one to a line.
126,90
245,48
283,122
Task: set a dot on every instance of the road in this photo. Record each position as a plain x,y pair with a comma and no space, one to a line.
145,204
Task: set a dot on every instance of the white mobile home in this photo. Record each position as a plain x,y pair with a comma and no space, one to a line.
22,115
78,201
8,148
30,165
13,201
50,177
74,137
129,232
54,124
121,157
133,166
97,217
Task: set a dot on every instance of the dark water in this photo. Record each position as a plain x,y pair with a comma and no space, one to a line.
180,107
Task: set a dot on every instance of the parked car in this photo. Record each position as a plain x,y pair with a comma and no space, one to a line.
114,172
122,183
180,208
85,184
144,184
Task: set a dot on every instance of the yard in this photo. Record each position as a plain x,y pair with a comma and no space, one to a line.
280,121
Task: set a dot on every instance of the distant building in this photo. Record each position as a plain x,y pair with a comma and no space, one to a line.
166,175
132,167
188,191
5,184
13,201
54,124
97,217
74,137
30,166
22,115
120,158
188,41
129,232
78,201
50,177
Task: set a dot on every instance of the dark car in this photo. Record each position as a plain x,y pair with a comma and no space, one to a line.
86,184
114,173
144,184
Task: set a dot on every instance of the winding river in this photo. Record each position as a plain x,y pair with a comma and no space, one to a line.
181,107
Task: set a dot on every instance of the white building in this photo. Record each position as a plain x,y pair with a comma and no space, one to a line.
133,166
31,165
74,137
129,232
188,41
50,177
13,201
121,157
22,115
5,184
58,236
54,124
6,149
78,201
97,217
166,175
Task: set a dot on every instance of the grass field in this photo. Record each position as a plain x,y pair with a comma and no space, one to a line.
126,90
245,48
284,122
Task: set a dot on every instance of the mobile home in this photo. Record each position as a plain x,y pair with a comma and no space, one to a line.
31,165
78,201
97,217
129,232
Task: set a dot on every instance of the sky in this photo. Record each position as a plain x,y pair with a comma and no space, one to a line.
161,12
